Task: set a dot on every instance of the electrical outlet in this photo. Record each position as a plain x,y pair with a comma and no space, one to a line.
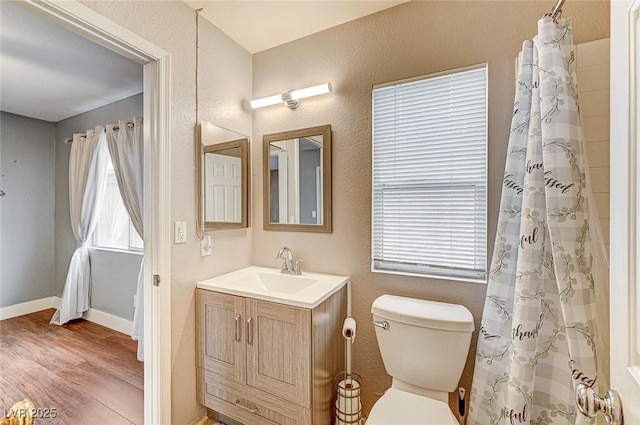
180,232
205,246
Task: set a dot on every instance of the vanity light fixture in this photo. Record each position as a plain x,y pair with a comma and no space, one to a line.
291,98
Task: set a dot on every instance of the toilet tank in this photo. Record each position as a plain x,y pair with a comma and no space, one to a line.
426,343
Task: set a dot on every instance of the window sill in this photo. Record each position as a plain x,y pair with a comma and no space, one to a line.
431,276
121,251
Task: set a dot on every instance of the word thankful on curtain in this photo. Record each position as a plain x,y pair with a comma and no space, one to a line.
538,337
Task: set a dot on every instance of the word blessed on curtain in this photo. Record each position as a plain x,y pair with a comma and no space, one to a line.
549,181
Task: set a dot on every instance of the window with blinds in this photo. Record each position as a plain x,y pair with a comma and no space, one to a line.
430,175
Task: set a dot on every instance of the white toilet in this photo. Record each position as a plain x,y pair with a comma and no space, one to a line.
424,346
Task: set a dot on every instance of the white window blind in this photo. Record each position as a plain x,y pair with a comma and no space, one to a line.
429,176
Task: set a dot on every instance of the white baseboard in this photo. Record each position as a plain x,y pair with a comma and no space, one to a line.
92,315
28,307
109,321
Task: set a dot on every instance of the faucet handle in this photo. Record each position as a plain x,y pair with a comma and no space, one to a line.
296,269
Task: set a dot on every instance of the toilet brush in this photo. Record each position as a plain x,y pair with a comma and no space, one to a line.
461,405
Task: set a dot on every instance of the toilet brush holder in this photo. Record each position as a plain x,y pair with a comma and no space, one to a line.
348,406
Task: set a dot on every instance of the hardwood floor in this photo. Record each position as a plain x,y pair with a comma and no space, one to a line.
88,373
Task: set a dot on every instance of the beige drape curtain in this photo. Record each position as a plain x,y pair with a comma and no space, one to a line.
87,174
126,147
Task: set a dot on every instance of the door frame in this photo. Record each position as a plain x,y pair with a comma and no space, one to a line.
624,208
157,201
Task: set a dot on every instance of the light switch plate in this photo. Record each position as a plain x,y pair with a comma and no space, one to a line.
180,232
205,246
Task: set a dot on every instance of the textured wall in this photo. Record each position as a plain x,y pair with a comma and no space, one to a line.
27,175
225,81
114,276
412,39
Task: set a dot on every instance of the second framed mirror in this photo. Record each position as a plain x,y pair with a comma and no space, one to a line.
223,178
297,180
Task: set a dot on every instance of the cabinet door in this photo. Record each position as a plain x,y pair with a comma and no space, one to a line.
279,350
221,339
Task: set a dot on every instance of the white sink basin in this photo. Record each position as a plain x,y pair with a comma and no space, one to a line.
282,283
307,290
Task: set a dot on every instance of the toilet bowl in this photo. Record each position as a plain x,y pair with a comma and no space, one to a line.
424,346
397,407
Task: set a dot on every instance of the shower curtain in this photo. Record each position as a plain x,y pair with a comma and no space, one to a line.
539,336
126,147
87,174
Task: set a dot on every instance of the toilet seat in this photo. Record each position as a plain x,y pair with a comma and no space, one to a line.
397,407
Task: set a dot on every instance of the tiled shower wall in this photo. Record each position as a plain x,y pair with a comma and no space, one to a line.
592,62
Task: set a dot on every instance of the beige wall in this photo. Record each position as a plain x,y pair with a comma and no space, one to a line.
225,80
412,39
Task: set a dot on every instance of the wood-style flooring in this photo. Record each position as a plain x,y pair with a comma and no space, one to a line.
88,373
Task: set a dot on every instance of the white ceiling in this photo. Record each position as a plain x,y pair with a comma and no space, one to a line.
50,73
261,25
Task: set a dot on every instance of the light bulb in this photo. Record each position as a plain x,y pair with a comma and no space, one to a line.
290,98
266,101
311,91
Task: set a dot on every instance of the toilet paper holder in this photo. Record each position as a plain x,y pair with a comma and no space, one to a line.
348,408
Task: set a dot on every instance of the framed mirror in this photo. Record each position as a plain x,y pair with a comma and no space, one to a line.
297,180
223,178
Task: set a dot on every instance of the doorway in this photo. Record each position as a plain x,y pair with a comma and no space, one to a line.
156,67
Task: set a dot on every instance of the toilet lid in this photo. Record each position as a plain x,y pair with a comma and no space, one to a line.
402,408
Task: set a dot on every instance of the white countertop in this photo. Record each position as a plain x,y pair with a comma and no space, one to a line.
307,290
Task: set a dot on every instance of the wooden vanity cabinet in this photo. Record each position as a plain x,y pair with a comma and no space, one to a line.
261,362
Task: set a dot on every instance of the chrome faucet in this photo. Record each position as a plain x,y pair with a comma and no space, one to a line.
288,265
